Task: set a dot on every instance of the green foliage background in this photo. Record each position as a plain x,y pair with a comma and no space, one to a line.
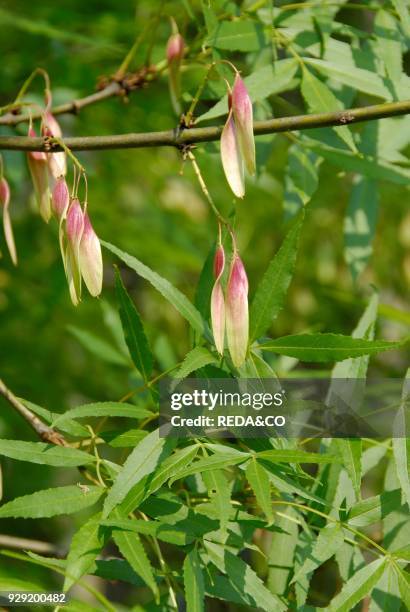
140,202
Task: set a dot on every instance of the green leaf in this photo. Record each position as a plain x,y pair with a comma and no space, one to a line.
329,540
205,283
69,426
219,493
102,409
327,347
215,462
52,502
282,551
302,178
194,360
131,548
272,289
401,445
173,295
123,439
367,165
358,587
357,78
148,485
243,578
134,333
98,347
10,583
84,549
403,11
260,483
285,484
237,36
388,44
295,456
386,593
116,569
403,578
402,553
193,583
45,454
351,453
264,82
320,99
142,461
162,531
374,509
360,224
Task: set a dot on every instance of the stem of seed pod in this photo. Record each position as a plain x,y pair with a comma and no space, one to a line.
189,115
68,151
30,79
204,188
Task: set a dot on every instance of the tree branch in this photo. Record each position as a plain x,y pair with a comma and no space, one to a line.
117,87
46,433
182,137
42,548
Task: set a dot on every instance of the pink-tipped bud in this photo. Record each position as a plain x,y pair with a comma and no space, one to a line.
175,48
75,223
231,157
243,115
4,192
237,316
60,198
7,227
91,264
218,301
175,53
38,166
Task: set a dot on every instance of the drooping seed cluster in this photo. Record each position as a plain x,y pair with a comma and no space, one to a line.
79,245
229,300
229,308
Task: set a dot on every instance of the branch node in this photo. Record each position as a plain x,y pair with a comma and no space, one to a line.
346,118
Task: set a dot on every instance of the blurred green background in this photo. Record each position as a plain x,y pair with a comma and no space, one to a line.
140,201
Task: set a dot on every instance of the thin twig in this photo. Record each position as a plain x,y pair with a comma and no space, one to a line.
46,433
42,548
181,138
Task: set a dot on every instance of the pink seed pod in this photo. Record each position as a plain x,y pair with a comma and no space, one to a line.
218,301
57,162
91,264
237,316
74,229
243,115
38,166
175,48
232,162
7,227
175,53
75,223
60,198
4,192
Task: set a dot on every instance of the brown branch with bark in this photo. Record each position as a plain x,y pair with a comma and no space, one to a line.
46,433
183,137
